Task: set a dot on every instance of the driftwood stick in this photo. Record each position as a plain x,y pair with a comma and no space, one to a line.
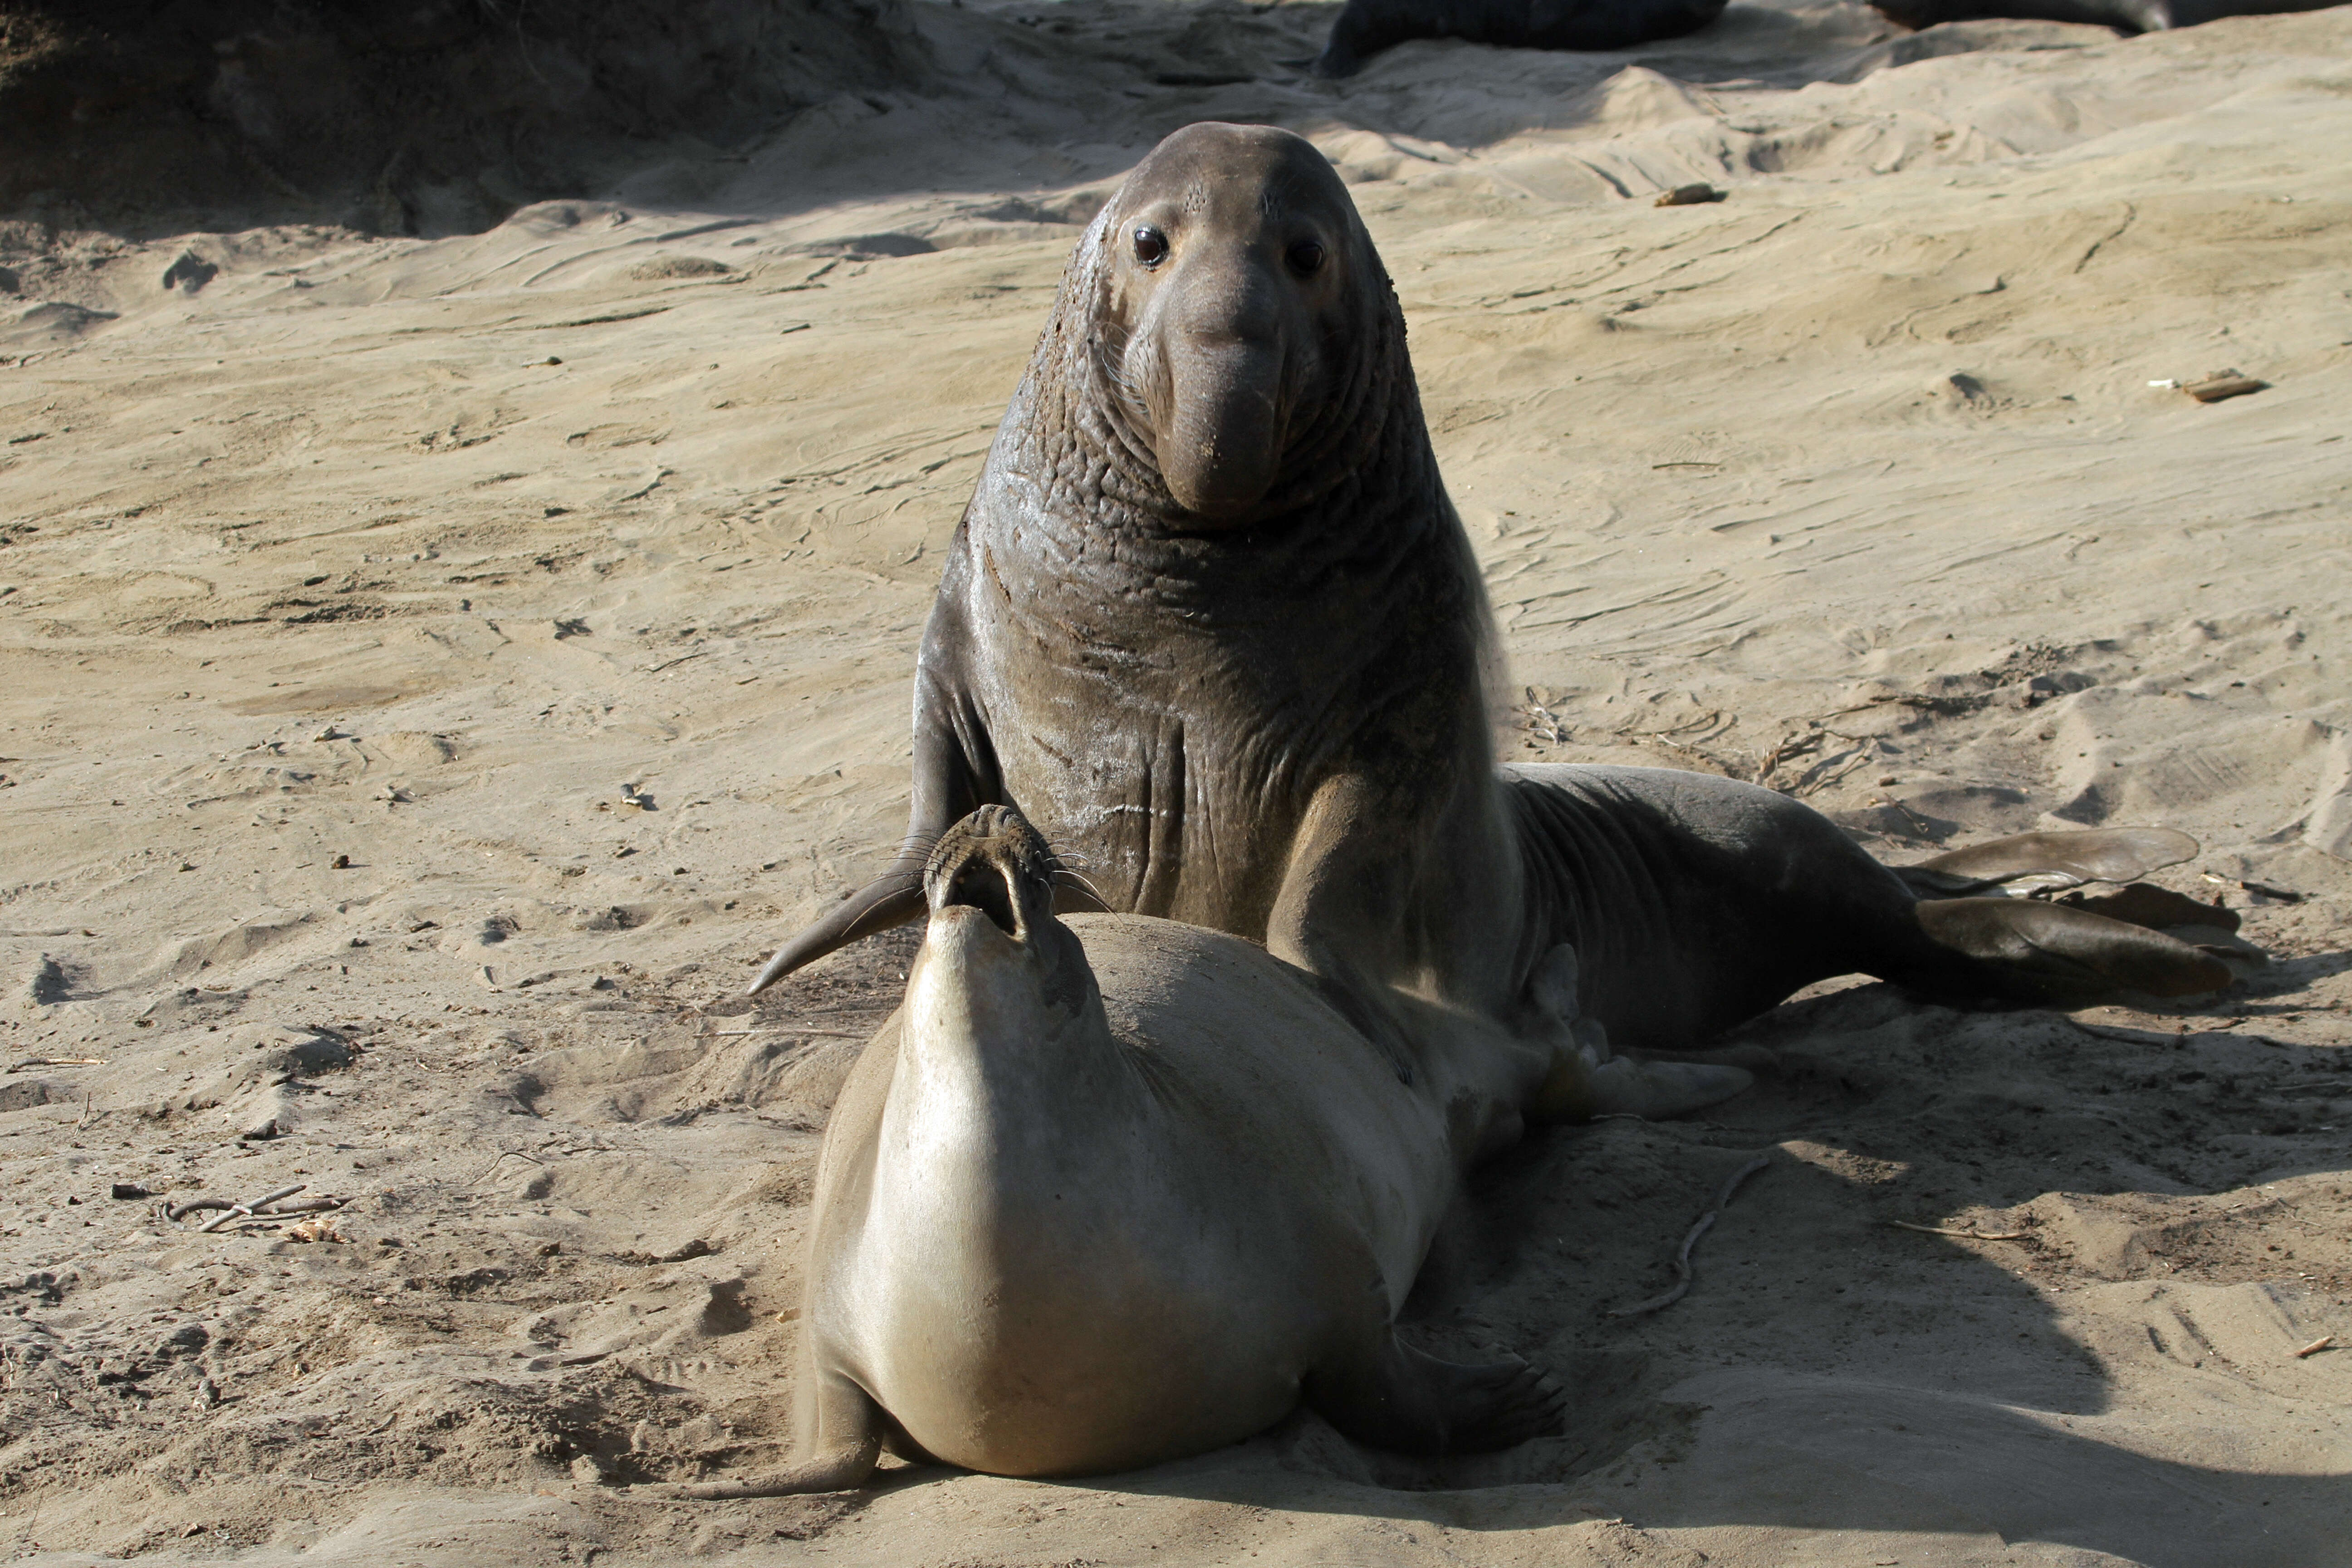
788,1030
246,1210
1682,1255
1963,1234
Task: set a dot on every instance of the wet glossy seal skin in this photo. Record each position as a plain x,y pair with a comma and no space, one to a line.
1212,623
1123,1190
1367,26
2124,15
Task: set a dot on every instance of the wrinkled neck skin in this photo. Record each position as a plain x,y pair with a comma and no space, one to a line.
1075,474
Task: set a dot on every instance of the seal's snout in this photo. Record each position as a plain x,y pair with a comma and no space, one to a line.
990,884
1231,258
1221,444
994,861
1213,361
981,884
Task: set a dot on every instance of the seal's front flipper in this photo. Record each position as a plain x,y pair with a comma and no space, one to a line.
1579,1089
877,907
1586,1080
948,788
2050,860
1657,1091
1411,1403
847,1444
2027,951
845,1471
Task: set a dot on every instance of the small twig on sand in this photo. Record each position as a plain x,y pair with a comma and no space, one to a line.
2316,1346
2141,1038
1964,1235
1681,1258
232,1211
788,1030
509,1155
2284,895
247,1210
1794,745
59,1062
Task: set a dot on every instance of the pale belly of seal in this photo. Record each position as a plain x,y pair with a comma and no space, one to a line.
1071,1266
1024,1302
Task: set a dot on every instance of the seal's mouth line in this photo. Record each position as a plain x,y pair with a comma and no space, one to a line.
980,883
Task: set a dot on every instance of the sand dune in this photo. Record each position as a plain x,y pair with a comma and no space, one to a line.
344,593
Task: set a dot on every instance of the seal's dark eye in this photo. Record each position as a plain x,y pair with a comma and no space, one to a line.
1306,258
1151,245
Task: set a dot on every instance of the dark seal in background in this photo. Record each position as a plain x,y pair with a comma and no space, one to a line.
1368,26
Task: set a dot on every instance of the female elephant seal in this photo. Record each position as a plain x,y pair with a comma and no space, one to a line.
1211,621
1367,26
1120,1190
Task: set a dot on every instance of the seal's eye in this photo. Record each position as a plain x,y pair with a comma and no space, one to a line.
1151,245
1306,258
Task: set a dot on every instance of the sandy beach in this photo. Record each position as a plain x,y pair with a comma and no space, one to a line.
435,670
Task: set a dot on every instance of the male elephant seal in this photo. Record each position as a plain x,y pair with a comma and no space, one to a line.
2124,15
1120,1190
1210,620
1367,26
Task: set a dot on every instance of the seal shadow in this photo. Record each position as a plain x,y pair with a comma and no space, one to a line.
1831,1372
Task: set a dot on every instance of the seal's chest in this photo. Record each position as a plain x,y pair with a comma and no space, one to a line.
1155,824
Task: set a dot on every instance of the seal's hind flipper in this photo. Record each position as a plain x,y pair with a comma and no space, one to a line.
2052,859
2024,949
2159,909
1409,1402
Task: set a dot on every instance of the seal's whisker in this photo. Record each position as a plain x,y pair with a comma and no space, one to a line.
896,882
1068,877
918,845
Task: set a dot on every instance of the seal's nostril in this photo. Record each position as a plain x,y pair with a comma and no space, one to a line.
987,886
